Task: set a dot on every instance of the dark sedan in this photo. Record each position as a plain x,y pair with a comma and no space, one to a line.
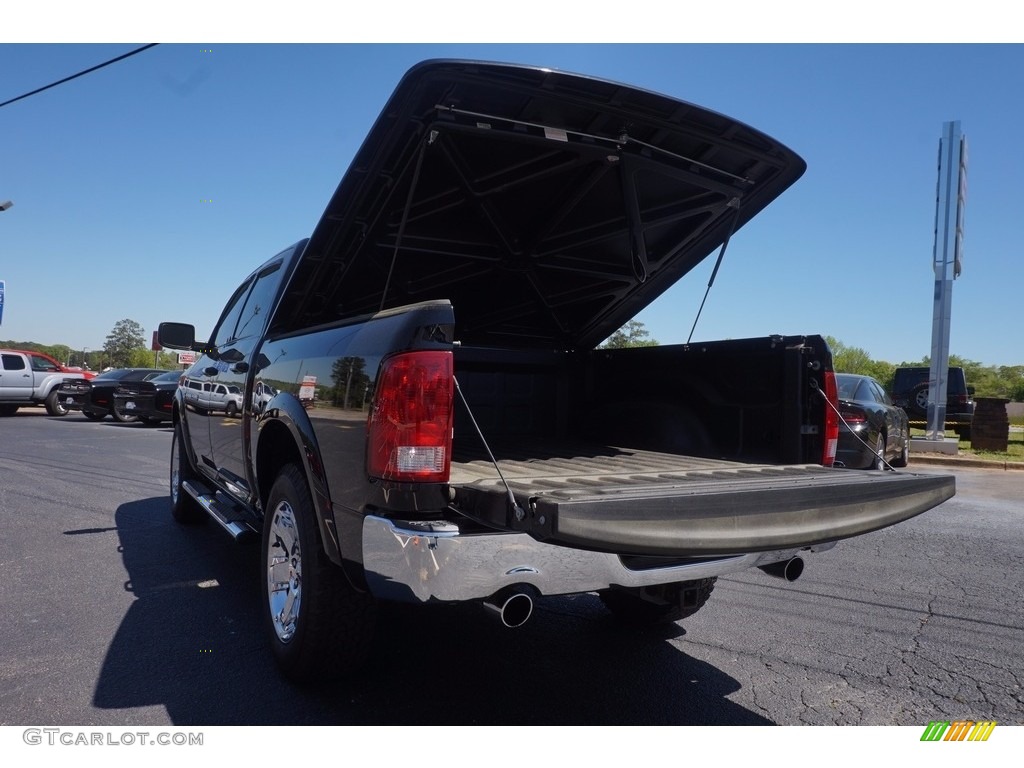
871,428
150,401
95,398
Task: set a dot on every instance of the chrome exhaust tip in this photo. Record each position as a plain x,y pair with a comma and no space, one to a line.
513,606
789,570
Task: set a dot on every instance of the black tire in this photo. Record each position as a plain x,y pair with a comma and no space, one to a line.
662,604
54,406
918,401
880,447
93,416
184,509
8,410
121,416
904,458
320,627
964,433
148,421
232,409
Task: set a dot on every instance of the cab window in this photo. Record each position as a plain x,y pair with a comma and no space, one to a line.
253,318
226,330
13,363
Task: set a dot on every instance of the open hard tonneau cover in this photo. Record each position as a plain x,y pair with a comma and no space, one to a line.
549,208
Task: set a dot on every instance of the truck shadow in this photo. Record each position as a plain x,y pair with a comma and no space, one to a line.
192,642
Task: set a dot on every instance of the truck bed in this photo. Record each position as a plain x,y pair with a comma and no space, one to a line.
642,502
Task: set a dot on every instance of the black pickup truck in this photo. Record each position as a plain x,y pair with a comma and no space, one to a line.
428,416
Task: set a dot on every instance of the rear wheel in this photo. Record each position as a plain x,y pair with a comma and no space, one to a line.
8,410
184,508
879,460
964,433
904,457
54,406
232,409
124,418
918,404
319,625
661,604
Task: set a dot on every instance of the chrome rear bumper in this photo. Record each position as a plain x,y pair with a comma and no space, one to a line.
434,561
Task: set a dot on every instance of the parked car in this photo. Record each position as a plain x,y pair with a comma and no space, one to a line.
873,430
95,398
910,392
209,396
24,381
149,400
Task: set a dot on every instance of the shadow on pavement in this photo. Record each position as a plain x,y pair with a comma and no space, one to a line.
192,642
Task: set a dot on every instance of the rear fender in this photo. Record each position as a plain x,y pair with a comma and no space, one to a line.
285,433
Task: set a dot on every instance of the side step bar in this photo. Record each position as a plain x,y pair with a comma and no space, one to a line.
227,516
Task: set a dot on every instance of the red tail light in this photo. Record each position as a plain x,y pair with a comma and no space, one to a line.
853,415
831,436
410,424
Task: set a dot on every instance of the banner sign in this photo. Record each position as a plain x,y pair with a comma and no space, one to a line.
1,302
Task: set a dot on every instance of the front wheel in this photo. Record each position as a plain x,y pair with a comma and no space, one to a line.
124,418
319,625
54,406
662,604
184,508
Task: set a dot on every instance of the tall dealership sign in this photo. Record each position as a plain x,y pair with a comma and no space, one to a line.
1,302
947,263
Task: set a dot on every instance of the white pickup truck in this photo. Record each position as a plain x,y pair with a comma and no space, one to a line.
22,383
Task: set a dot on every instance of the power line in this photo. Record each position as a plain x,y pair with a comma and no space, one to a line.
72,77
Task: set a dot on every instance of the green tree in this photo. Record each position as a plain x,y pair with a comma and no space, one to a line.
849,359
59,352
632,334
141,357
125,337
350,382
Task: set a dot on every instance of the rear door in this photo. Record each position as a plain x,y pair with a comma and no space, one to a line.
15,377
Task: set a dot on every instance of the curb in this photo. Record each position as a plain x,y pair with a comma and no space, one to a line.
939,460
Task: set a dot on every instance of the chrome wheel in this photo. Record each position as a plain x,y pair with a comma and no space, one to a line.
879,462
175,470
184,508
284,571
922,399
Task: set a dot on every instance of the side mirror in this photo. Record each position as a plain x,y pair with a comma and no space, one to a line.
176,335
970,391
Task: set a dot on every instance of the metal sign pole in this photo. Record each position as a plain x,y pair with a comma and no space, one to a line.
946,264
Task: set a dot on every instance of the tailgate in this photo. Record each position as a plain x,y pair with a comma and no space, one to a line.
719,508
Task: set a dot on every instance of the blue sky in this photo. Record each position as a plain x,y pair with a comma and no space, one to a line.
149,189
